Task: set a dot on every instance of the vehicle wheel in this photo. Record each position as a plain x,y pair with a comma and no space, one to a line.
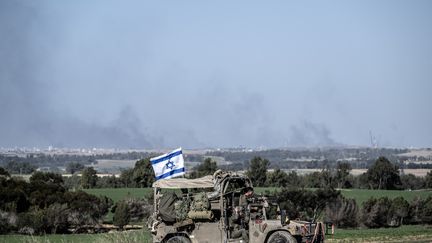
281,237
178,239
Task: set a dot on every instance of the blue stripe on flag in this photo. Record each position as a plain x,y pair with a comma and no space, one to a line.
169,156
170,173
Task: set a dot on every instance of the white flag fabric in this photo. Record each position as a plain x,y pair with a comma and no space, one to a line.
168,165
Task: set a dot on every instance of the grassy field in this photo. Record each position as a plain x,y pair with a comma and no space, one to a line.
129,236
117,194
406,233
409,233
361,195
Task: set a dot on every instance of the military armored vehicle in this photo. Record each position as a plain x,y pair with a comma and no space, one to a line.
219,208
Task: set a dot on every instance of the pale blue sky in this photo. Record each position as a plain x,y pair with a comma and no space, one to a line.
199,74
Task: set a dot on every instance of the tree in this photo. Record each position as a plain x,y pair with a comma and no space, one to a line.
56,218
4,172
258,171
108,182
343,212
399,210
421,210
342,173
208,167
19,167
121,215
45,188
72,182
88,178
383,175
376,212
428,179
126,178
13,196
74,167
326,179
313,180
143,173
138,209
321,198
86,209
412,182
305,204
295,180
277,178
48,177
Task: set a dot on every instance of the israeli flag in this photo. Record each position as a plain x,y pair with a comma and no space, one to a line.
168,165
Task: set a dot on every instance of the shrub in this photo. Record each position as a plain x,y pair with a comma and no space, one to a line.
343,212
305,204
121,214
399,210
421,211
57,218
32,223
86,209
376,212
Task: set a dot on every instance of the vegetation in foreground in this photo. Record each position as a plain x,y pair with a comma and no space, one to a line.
143,236
406,233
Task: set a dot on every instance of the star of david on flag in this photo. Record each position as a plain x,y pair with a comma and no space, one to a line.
168,165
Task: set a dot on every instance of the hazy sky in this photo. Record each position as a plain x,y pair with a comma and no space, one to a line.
141,74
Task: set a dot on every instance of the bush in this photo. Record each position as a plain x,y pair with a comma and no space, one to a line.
86,209
44,205
376,212
137,209
72,182
412,182
57,218
32,223
121,214
421,211
305,204
399,211
7,222
343,212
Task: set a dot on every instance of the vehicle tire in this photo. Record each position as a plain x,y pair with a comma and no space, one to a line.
178,239
281,237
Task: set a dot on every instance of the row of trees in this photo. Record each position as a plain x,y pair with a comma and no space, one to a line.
381,175
60,160
141,175
345,213
379,212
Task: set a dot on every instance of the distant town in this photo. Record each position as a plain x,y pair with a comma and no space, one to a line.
301,160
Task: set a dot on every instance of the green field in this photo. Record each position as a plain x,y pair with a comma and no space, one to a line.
361,195
117,194
129,236
409,233
406,233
